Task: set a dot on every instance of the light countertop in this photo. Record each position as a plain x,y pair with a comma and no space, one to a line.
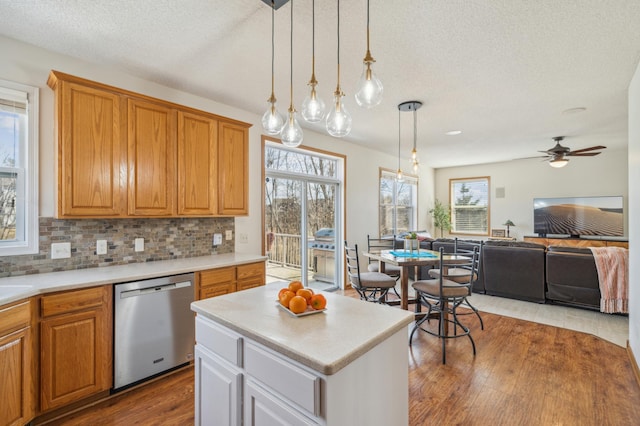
23,286
325,342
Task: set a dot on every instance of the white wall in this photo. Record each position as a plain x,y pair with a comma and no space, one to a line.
30,65
523,180
634,215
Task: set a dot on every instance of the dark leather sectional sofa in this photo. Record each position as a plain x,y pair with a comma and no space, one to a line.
532,272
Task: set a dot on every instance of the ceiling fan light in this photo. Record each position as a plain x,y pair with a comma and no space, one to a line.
558,162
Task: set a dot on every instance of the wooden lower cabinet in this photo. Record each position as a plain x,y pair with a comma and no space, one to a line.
16,365
215,282
75,345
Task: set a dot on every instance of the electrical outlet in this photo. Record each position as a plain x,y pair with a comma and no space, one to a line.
101,247
60,250
217,239
243,238
228,235
139,244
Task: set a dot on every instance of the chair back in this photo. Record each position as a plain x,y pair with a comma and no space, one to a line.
471,265
353,264
469,248
376,245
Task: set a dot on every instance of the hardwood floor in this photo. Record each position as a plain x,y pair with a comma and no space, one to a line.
524,373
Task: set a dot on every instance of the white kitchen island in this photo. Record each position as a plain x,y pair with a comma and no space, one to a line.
258,365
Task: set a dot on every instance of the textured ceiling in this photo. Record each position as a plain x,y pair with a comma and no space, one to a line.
502,71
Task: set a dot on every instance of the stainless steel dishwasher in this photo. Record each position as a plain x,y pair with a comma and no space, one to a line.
154,327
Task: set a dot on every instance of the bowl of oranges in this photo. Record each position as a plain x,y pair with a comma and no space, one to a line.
300,301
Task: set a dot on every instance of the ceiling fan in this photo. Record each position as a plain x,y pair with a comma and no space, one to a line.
557,155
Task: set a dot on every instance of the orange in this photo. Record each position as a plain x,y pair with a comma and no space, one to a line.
286,297
318,302
282,290
295,286
298,304
306,293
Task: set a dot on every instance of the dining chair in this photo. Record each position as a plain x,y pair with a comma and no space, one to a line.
371,286
462,274
376,245
442,297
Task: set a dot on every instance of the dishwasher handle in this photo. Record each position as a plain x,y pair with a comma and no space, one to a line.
154,289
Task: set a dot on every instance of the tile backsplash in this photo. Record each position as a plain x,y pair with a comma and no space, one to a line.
164,239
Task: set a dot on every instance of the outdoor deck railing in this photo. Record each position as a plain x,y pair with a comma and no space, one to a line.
284,250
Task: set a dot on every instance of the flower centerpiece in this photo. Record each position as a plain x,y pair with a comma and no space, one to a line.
411,242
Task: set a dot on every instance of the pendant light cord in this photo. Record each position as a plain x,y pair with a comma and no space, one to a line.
338,50
415,128
291,69
398,138
273,44
313,37
367,25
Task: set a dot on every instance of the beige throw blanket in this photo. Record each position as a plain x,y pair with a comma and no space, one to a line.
612,264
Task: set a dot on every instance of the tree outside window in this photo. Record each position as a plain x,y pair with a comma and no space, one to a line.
398,209
469,200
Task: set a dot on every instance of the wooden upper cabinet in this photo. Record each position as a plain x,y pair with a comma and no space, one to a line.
233,169
123,154
197,164
151,141
91,153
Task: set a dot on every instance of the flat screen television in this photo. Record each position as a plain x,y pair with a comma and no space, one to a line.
579,216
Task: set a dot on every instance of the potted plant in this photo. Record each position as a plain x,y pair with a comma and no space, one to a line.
441,217
411,242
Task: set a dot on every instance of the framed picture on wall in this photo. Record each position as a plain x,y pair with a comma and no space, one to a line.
498,233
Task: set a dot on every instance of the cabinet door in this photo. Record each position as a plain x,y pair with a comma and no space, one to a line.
197,165
91,153
251,275
218,391
263,408
152,159
214,282
75,348
233,169
16,386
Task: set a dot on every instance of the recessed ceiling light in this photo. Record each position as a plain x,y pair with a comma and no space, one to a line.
574,110
453,132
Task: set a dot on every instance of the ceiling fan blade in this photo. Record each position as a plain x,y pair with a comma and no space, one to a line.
587,149
583,154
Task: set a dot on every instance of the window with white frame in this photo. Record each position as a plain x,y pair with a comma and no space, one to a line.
469,200
18,169
398,209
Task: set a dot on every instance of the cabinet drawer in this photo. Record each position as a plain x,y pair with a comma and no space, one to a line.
219,340
294,383
71,301
14,317
252,270
217,276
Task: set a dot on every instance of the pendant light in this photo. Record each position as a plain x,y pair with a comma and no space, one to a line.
399,176
413,106
339,119
272,120
313,106
291,132
369,90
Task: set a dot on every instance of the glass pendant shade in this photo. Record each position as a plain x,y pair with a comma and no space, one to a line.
272,120
291,132
313,107
399,176
339,119
369,90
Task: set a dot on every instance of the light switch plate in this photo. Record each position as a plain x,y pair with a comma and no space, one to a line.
139,244
101,247
60,250
217,239
228,235
243,238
